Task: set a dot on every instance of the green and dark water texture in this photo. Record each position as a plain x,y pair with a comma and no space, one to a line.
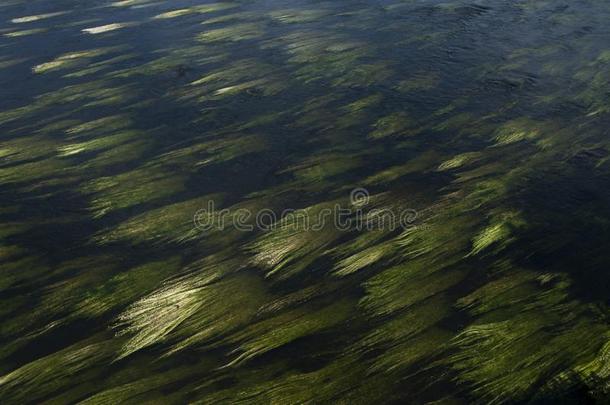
120,120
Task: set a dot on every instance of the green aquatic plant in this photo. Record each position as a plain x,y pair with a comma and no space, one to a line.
405,355
131,188
421,162
23,33
281,330
123,288
47,374
403,286
323,167
422,81
12,276
212,151
99,143
517,130
33,171
394,124
121,284
406,325
174,222
27,148
123,153
364,103
364,75
37,17
293,16
203,9
57,299
524,353
296,387
499,233
459,161
71,60
365,258
100,29
237,32
8,62
295,241
191,309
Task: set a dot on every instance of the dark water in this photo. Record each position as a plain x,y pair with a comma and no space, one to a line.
480,128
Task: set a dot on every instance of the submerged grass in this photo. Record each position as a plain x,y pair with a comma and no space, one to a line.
115,139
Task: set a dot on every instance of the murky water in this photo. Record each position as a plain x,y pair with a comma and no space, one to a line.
449,164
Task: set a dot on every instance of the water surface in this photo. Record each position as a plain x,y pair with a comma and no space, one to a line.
122,122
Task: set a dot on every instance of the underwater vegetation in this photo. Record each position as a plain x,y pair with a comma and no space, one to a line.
123,122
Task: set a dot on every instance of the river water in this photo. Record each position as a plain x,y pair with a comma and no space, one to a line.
264,201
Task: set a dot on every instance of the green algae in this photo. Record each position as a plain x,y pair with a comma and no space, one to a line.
278,331
172,222
131,188
237,32
290,246
208,8
115,147
192,308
